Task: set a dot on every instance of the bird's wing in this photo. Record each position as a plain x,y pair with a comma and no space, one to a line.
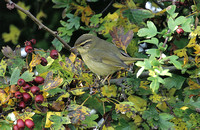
108,58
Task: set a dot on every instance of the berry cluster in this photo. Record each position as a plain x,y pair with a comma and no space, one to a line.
21,124
25,99
29,49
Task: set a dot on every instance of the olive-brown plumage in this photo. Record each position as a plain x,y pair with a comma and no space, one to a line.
101,57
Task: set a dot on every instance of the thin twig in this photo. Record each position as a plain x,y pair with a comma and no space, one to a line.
40,25
107,7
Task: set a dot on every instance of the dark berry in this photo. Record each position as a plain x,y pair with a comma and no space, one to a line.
15,127
27,43
26,88
29,49
39,80
35,90
29,123
22,104
33,41
54,54
44,62
21,82
26,97
18,95
39,99
20,124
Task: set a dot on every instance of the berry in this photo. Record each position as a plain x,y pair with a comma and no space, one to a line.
39,99
27,43
20,124
18,95
39,80
33,41
29,123
22,104
29,49
54,54
21,82
26,97
44,62
26,88
179,30
15,127
35,90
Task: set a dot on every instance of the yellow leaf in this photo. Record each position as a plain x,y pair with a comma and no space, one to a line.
118,5
86,15
3,66
130,4
66,95
48,122
139,103
72,57
181,52
184,108
35,61
197,48
12,36
4,97
108,128
22,5
113,17
109,91
193,85
41,15
77,91
162,106
192,42
137,120
25,115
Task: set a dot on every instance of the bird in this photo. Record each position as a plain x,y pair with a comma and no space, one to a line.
102,57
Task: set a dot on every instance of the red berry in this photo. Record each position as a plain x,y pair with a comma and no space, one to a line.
35,90
21,82
26,88
27,43
29,49
26,97
39,99
20,124
22,104
39,80
33,41
179,30
44,62
54,54
18,95
15,127
29,123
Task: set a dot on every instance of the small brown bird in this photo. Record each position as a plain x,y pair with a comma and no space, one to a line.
101,57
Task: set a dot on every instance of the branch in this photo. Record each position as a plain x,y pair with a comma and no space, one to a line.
11,5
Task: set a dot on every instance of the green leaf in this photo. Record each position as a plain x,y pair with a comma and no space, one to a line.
27,76
180,20
195,104
89,121
15,76
137,15
175,81
58,122
5,125
152,41
164,121
95,19
171,11
3,66
73,21
153,52
148,32
173,60
56,43
154,84
54,91
186,25
171,24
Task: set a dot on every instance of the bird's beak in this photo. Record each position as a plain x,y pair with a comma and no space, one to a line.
74,50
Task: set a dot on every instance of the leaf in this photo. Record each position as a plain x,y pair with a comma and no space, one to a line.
86,15
95,20
89,121
4,97
6,125
173,60
124,107
195,104
164,121
15,76
152,41
120,39
154,84
13,35
148,32
27,76
109,91
186,25
153,52
77,91
137,15
25,115
140,104
7,51
48,121
50,82
58,121
73,21
3,66
22,5
41,15
171,24
175,81
171,11
36,59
